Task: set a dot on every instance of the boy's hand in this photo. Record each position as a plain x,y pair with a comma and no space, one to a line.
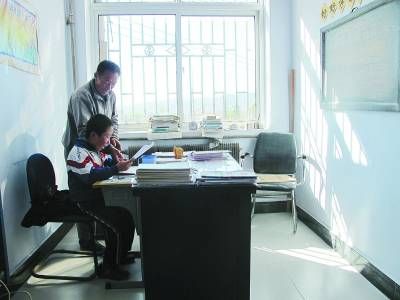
123,165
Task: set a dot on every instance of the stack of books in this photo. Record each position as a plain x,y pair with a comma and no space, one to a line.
238,176
211,126
164,123
164,127
171,173
207,155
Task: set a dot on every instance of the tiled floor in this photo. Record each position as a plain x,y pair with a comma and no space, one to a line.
283,266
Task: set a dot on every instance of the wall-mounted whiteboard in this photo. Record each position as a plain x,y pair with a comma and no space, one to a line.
360,57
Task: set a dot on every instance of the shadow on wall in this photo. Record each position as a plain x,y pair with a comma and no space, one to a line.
330,143
20,242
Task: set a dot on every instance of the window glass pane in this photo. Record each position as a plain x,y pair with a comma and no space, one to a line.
218,59
144,47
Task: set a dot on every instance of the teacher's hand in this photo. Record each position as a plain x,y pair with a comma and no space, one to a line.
114,141
115,153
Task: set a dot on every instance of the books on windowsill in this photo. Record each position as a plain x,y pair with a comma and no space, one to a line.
164,123
211,126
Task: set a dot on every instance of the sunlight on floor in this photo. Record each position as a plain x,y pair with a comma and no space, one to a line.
316,255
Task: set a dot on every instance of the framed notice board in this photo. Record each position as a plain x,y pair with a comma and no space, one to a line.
360,58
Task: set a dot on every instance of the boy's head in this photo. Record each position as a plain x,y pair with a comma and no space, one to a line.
98,131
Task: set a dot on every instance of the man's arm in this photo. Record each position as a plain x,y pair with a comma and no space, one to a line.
114,117
82,110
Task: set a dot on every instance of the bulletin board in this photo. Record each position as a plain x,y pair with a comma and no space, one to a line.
360,59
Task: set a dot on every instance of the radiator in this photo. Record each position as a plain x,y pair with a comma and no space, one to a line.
233,147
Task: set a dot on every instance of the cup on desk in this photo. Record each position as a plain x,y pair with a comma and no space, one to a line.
147,159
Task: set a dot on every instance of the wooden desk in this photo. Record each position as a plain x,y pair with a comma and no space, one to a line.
195,240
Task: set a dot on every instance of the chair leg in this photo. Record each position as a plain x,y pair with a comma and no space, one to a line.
294,212
93,253
253,204
35,273
95,260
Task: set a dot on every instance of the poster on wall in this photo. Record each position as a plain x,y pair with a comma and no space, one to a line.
18,36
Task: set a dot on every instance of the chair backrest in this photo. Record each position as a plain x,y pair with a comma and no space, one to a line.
41,178
275,153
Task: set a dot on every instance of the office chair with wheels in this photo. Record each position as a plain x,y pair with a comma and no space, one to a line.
275,162
50,205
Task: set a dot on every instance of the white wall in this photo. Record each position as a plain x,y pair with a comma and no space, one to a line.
280,64
354,156
32,119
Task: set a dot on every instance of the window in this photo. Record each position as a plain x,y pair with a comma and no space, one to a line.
187,59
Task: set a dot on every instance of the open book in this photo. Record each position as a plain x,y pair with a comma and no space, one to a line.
141,151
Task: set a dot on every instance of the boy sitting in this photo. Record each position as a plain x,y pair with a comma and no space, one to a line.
86,164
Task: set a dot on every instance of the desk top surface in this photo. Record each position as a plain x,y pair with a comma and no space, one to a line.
228,164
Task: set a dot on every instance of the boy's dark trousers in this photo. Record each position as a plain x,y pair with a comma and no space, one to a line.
119,229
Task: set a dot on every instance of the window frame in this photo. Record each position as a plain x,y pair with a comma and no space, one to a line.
180,9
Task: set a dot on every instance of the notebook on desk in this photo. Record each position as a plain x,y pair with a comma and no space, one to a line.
130,171
116,181
238,176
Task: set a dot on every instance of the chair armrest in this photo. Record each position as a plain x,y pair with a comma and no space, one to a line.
243,157
303,157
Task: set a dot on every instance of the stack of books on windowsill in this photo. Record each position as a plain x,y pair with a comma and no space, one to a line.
211,126
164,127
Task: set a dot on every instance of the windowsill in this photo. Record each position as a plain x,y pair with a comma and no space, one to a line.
240,133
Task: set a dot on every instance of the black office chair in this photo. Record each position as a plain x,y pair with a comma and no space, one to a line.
50,205
275,162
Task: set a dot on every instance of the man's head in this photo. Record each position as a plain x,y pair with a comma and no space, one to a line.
99,131
106,76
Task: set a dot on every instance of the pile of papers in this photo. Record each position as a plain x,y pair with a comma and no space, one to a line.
238,176
207,155
170,173
167,160
164,123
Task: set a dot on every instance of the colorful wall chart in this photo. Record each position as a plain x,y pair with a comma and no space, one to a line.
18,36
338,7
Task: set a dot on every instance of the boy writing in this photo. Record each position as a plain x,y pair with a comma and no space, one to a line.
86,164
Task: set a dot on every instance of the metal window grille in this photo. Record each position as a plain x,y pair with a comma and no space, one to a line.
184,59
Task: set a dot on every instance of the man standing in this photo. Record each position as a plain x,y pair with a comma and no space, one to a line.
95,97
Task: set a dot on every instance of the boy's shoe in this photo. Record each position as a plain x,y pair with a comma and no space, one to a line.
112,273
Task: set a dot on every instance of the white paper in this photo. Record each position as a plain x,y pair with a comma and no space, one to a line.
142,150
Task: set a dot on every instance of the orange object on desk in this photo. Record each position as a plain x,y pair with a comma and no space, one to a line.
178,152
